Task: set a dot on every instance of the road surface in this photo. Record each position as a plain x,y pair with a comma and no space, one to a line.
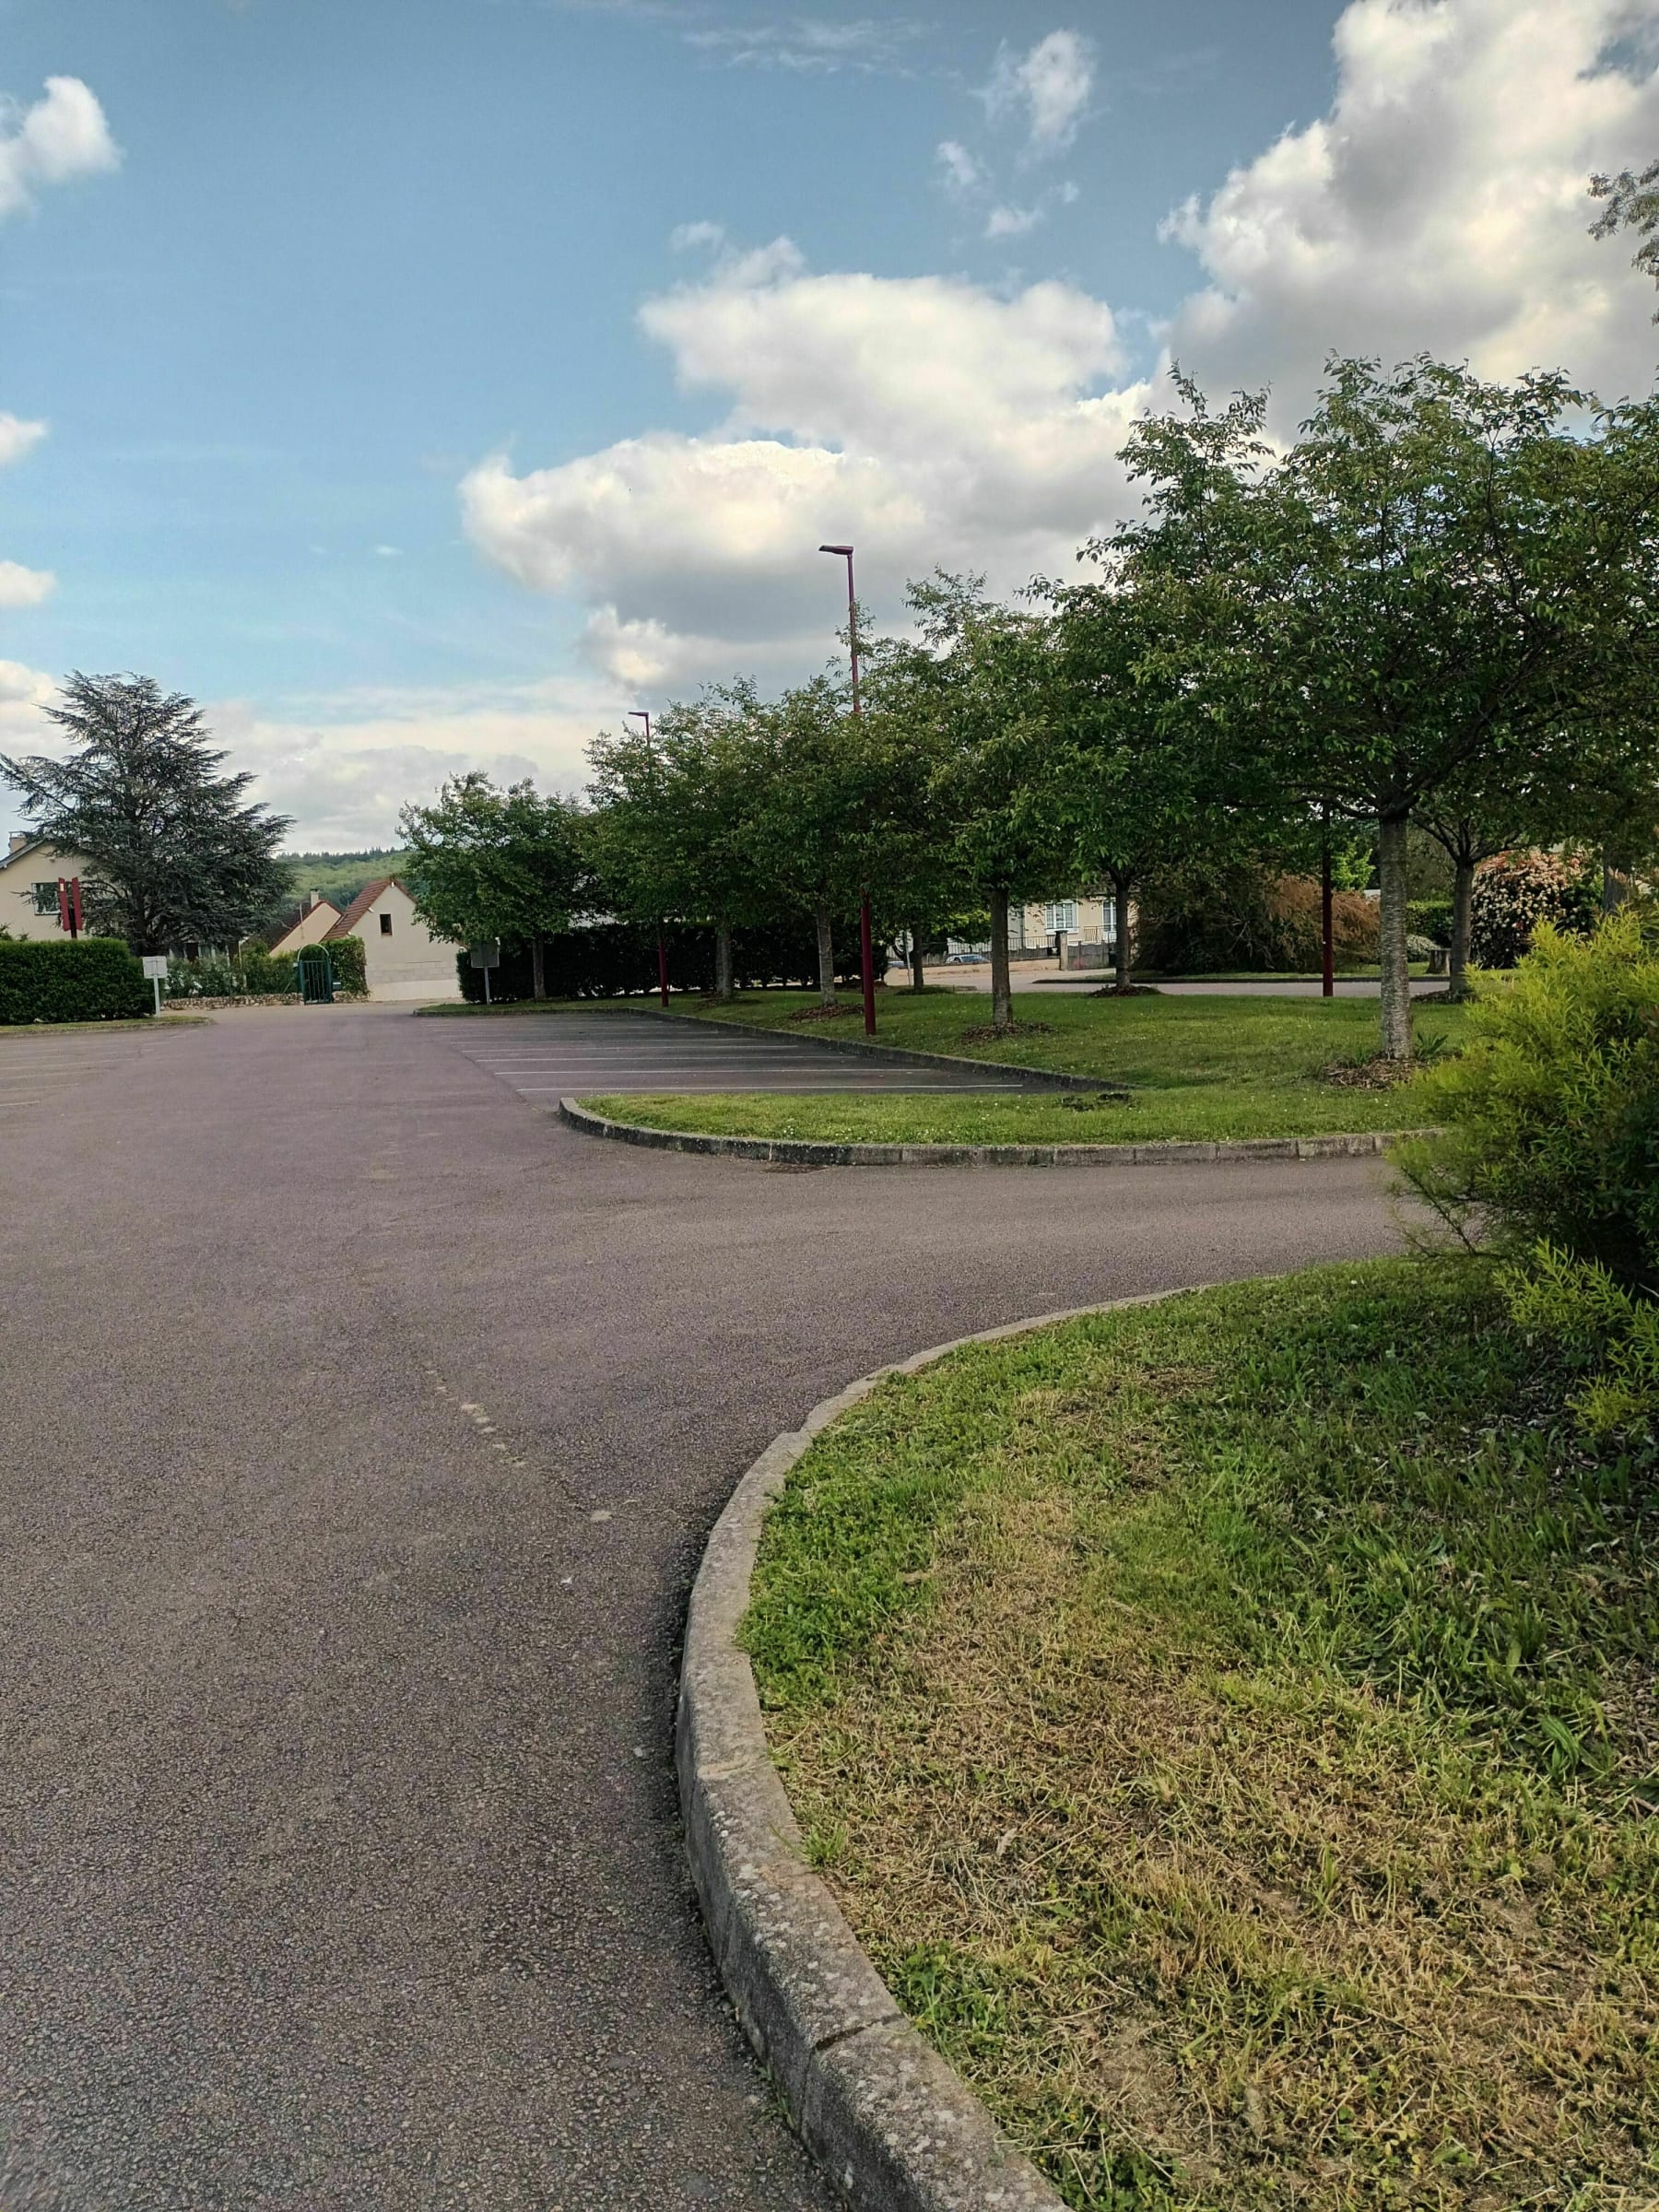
362,1427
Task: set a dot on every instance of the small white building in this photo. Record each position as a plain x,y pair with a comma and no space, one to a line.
28,886
316,917
402,959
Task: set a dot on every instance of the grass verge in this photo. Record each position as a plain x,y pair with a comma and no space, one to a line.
1230,1726
991,1118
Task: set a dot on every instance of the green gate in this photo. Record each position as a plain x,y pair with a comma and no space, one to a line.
314,970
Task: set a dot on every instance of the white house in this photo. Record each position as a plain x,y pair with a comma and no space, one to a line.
28,886
402,959
316,917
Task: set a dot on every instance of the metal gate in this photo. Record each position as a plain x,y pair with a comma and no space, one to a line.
316,974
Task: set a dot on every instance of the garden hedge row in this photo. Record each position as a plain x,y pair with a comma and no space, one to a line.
94,979
614,958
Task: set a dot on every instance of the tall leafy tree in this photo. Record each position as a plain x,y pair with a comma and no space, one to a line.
175,851
981,685
1440,581
672,813
487,863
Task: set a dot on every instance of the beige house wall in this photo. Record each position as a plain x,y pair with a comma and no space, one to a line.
310,929
20,872
409,963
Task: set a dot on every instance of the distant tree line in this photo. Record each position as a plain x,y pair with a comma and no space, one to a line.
1435,615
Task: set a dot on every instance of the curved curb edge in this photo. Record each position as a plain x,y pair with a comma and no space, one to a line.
892,2123
811,1152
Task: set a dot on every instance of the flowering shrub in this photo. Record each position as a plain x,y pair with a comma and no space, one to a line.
1517,891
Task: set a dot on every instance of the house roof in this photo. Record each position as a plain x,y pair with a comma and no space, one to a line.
296,914
360,905
33,844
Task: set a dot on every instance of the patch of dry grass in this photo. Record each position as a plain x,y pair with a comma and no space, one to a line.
1219,1895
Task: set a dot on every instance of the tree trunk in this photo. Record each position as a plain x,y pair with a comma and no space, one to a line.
724,988
1120,947
1002,989
1616,889
1462,900
538,980
826,936
1391,930
917,980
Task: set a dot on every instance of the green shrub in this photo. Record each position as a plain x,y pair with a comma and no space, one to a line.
91,979
256,973
1210,917
1430,917
1516,893
1550,1114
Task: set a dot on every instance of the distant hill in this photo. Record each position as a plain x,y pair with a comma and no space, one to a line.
340,876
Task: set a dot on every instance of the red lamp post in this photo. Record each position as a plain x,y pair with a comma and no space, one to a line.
640,714
867,947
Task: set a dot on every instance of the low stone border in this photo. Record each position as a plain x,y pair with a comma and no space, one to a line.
896,2128
801,1151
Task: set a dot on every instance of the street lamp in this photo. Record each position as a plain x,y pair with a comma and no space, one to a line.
867,947
642,714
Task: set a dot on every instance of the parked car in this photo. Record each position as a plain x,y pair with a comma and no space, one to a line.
967,959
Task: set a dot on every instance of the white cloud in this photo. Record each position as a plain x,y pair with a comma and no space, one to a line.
1439,205
686,238
342,765
924,419
17,437
24,587
64,135
958,168
814,44
1050,86
1013,222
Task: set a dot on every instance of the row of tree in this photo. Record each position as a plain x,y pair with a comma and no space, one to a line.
1438,607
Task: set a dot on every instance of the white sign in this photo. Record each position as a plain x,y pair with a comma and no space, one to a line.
155,967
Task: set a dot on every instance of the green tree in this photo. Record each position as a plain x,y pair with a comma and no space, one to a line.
1441,583
980,689
1632,203
486,863
671,817
175,851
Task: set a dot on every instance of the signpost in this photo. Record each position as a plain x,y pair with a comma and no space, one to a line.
155,971
485,956
69,905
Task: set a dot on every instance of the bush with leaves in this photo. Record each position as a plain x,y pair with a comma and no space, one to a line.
1209,917
1549,1143
1517,892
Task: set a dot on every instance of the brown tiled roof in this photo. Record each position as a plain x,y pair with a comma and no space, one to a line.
360,905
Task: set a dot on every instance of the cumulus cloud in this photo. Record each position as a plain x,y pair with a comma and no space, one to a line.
17,437
1439,205
925,419
1049,88
64,135
24,587
342,765
958,168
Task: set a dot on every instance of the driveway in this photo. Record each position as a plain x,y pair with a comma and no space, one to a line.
362,1427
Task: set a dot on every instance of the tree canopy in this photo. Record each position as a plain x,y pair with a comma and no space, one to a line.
175,852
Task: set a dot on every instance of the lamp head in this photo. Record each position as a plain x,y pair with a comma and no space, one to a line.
845,551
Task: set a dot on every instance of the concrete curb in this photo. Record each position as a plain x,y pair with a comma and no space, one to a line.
808,1152
890,2122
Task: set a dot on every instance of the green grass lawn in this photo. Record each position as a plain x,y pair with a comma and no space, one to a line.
1197,1068
1206,1114
1230,1725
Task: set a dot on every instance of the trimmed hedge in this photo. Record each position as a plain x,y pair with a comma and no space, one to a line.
91,979
614,958
256,973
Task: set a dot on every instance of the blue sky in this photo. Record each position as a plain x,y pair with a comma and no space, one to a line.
424,379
